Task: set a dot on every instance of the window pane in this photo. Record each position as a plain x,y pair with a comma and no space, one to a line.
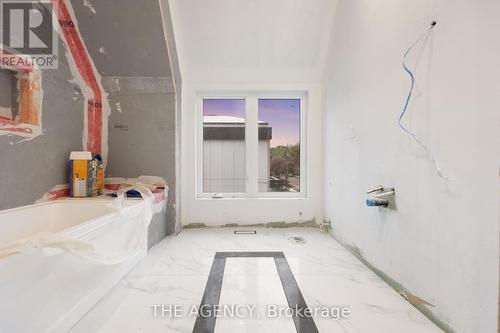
224,145
279,145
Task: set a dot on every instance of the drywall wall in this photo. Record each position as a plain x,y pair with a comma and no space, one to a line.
84,71
441,243
142,135
168,31
237,45
28,169
130,50
124,41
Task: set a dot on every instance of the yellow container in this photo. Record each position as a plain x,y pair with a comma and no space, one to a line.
85,174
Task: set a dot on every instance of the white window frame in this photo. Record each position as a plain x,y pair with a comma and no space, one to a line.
251,143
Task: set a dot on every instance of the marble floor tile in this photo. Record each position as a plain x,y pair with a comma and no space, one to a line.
253,282
176,271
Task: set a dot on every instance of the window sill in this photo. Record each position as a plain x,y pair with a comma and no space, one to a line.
294,196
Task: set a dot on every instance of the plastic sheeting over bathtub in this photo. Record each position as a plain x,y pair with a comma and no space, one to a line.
50,243
49,288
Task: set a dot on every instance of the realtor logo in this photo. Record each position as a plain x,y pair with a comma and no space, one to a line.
28,30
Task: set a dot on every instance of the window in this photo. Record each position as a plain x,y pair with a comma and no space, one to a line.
279,148
251,145
224,145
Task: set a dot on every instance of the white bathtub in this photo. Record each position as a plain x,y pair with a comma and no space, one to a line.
40,293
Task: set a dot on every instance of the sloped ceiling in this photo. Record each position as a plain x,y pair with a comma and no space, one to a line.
124,38
252,40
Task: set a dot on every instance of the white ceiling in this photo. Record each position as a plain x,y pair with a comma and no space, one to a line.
252,40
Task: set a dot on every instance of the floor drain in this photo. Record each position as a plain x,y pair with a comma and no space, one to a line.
245,232
297,240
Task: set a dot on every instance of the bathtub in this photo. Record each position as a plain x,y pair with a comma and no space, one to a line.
50,292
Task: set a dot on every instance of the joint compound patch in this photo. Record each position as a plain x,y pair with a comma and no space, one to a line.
87,4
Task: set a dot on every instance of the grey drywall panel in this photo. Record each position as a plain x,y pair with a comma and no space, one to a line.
142,141
141,136
124,38
28,169
126,85
158,229
168,29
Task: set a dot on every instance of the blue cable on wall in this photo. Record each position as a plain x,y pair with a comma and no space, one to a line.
408,99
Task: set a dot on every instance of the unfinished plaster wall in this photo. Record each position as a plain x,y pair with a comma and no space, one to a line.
28,169
130,51
441,243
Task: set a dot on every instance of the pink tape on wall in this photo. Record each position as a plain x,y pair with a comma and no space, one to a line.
86,70
29,124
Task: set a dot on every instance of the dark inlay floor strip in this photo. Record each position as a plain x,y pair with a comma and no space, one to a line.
211,297
304,323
